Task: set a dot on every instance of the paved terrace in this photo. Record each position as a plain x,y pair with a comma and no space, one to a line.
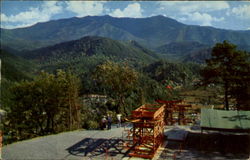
90,144
82,144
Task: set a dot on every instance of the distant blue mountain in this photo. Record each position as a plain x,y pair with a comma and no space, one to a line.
152,32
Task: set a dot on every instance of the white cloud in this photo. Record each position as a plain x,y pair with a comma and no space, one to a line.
32,15
132,10
12,26
52,7
193,11
4,18
182,19
203,19
193,6
84,8
243,11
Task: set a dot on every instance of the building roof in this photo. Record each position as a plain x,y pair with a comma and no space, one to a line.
224,119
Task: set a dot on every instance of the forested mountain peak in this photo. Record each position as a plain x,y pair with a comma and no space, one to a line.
151,32
89,46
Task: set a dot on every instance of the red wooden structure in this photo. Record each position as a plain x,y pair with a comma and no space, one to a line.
148,129
175,108
148,125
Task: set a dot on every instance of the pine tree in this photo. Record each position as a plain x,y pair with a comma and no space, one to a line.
229,68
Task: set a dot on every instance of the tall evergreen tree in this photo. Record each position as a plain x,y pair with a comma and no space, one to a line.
229,68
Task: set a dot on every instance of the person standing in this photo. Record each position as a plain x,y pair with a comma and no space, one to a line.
119,119
109,121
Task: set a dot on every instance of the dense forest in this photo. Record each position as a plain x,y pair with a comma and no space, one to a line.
49,96
47,90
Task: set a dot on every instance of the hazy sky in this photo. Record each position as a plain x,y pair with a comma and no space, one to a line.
220,14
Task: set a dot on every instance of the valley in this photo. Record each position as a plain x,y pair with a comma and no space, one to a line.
50,71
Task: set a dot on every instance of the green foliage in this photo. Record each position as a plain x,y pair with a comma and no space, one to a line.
90,46
174,74
199,56
117,80
92,124
229,68
149,90
15,68
180,49
128,88
48,104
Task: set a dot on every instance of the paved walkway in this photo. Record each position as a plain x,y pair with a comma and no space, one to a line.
82,144
91,144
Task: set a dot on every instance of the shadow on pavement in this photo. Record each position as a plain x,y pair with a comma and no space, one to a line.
97,147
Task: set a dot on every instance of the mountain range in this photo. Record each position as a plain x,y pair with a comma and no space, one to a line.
152,32
93,45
